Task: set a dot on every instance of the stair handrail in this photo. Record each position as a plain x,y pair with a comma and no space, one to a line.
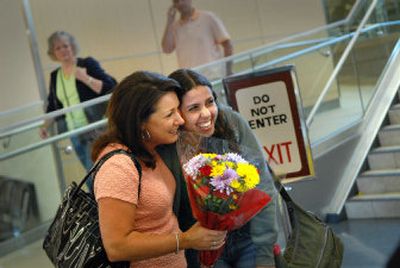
20,126
95,124
103,122
53,139
339,65
390,84
34,121
348,19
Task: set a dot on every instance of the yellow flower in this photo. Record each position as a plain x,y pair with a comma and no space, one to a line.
252,181
235,184
233,206
245,170
238,186
217,169
229,164
249,175
242,188
209,156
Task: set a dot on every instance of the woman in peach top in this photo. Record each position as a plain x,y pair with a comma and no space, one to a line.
141,227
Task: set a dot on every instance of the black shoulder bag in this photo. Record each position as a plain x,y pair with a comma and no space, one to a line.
73,239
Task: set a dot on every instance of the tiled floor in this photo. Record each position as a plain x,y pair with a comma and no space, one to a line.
368,243
30,256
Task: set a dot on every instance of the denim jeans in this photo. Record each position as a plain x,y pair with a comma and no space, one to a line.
239,251
82,147
192,258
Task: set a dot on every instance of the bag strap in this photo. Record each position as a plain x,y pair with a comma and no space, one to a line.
279,186
107,156
283,192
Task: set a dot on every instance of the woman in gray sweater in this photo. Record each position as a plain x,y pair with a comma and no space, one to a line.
252,244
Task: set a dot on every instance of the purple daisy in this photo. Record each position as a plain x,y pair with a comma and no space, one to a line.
221,183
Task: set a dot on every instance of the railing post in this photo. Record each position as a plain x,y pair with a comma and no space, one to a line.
339,65
33,44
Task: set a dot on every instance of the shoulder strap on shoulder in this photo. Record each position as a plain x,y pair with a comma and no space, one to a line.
100,162
279,186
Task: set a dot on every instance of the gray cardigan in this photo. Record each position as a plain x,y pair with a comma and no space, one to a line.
263,228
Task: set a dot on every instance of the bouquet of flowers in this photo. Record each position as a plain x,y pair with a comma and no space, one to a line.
222,193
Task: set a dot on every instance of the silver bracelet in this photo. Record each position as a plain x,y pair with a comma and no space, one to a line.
177,243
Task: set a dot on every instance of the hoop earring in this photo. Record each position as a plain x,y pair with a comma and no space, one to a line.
146,135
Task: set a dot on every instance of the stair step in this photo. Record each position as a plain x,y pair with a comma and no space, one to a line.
390,135
386,157
386,149
379,187
395,107
376,197
379,181
366,206
394,114
381,173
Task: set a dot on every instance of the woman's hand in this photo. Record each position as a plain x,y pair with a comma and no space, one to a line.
81,74
93,83
200,238
43,133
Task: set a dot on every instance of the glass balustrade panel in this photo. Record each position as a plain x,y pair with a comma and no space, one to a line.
30,191
32,182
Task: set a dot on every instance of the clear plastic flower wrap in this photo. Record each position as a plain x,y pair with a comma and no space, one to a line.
223,184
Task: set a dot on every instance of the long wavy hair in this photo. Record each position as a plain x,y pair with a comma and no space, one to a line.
188,80
131,104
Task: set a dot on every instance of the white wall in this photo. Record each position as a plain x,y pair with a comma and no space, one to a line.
17,75
125,34
132,29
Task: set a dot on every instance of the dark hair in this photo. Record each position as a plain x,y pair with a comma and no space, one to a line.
131,104
57,36
188,80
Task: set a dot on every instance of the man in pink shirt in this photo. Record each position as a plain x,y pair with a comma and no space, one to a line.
199,37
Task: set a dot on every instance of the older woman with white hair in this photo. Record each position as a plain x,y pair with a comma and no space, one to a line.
75,81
